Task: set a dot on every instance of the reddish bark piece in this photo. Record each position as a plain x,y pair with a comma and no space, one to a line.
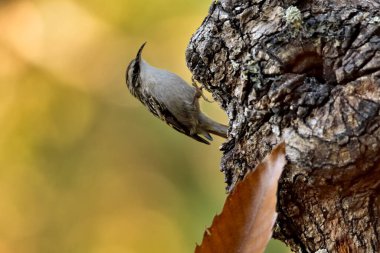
249,213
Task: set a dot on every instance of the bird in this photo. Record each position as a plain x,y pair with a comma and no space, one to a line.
171,99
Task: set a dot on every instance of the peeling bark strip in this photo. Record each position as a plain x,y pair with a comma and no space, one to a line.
309,75
255,196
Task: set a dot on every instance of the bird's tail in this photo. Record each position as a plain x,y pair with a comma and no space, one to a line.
212,126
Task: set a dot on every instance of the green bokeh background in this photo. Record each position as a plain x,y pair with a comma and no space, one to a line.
83,166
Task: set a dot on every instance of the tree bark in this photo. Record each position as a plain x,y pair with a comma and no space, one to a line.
307,73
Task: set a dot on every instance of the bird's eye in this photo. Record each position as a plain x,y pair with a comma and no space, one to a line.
129,72
135,73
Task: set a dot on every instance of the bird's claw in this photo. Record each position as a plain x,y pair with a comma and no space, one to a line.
198,91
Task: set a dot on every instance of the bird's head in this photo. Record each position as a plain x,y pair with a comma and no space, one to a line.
133,72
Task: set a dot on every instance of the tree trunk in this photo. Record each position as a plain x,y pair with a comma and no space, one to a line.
306,72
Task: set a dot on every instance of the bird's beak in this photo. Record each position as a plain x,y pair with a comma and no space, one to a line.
138,56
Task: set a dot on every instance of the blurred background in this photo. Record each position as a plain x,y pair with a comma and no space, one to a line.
84,167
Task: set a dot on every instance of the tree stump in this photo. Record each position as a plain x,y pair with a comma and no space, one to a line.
307,73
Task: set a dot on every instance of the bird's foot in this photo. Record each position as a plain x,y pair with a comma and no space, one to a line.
198,92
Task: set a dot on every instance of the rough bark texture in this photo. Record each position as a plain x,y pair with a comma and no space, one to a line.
308,75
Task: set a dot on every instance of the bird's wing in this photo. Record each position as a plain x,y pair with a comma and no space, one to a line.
162,112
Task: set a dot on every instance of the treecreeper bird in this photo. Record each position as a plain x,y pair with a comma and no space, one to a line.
171,99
